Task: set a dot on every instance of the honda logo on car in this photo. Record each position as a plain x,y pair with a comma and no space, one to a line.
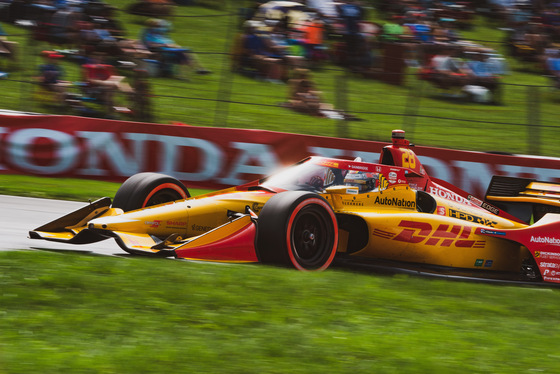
449,195
403,203
545,240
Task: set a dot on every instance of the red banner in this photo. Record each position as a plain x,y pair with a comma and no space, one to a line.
209,157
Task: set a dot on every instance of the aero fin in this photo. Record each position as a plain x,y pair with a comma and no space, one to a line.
231,242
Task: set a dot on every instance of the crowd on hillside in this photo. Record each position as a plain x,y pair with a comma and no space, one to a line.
279,42
89,33
417,33
420,33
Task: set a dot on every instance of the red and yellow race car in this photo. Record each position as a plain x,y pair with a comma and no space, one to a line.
321,210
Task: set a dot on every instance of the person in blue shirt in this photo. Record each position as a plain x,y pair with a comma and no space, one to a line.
51,74
481,74
155,37
553,67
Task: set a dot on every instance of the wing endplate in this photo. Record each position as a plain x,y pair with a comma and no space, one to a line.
70,228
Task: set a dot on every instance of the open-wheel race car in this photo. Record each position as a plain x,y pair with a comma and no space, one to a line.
322,210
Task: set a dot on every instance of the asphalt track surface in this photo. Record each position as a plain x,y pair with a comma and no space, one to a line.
19,215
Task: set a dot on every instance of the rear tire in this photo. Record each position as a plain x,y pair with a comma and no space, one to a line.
147,189
297,229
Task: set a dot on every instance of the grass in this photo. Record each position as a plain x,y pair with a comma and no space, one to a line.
62,188
225,99
89,314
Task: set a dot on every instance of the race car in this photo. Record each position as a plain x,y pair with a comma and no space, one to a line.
320,211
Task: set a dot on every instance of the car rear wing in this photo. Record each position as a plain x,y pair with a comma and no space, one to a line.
524,198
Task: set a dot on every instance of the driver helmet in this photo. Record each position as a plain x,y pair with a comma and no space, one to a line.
365,181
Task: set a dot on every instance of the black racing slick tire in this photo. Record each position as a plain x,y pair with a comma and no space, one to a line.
297,229
146,189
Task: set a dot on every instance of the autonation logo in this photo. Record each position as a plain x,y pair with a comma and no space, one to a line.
545,240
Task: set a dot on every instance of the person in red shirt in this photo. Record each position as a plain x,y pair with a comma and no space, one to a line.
102,81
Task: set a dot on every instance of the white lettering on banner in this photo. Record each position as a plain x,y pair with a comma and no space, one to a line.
66,151
3,130
262,153
107,144
211,160
119,153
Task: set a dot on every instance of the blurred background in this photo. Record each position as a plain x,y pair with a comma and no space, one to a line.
477,75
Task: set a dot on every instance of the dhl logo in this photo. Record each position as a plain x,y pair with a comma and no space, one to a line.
423,232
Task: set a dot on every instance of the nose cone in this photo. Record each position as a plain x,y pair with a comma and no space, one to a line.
160,221
117,223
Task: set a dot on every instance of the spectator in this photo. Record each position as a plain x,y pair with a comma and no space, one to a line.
553,67
444,32
92,39
257,54
155,38
314,32
7,48
63,29
351,13
51,74
448,70
290,50
102,81
303,97
481,74
528,42
393,31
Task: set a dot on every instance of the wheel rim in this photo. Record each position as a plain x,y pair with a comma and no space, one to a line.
310,237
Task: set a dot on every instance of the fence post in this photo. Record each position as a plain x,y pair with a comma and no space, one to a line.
411,109
26,87
341,103
533,120
226,79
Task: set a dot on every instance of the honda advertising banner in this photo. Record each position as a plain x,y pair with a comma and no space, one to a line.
209,157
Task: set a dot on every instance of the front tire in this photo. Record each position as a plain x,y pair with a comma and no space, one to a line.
146,189
297,229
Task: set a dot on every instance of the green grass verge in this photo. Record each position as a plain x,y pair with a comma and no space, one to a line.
89,314
62,188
